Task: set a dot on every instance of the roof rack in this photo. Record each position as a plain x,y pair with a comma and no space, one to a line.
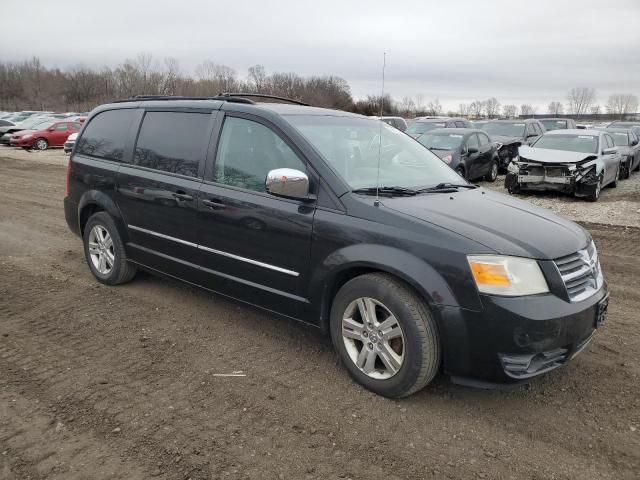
147,98
262,95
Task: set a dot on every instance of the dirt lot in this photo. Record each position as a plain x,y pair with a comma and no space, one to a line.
99,382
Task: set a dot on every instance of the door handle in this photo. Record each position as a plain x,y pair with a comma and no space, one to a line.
214,205
182,196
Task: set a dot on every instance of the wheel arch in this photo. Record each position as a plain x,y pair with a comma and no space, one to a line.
417,274
93,201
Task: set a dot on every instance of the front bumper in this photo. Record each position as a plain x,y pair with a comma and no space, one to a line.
68,146
514,339
6,138
21,142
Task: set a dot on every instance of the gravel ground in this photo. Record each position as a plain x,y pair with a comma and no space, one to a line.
121,382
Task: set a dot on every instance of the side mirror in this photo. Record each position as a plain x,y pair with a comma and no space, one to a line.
529,135
52,129
472,150
287,182
634,143
610,151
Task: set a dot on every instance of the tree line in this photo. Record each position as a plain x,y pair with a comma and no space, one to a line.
29,85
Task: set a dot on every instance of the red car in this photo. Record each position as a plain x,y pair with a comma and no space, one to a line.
50,134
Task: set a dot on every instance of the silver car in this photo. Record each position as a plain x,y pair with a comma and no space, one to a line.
578,162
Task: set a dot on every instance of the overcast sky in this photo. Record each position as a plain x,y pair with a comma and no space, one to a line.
520,51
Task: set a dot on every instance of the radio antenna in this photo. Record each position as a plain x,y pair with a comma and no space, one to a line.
384,65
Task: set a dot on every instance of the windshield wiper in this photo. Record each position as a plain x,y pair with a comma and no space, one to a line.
386,191
447,187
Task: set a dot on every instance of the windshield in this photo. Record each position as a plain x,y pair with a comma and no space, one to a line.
437,141
569,143
504,128
418,128
352,146
554,124
621,139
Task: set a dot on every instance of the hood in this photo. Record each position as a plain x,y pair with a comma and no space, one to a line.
24,132
501,223
545,155
503,139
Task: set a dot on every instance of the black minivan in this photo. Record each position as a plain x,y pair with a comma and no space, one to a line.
339,221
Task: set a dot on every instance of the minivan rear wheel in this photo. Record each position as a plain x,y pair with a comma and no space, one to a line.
385,335
104,251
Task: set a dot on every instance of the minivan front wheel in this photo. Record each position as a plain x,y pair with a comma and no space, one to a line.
385,335
104,251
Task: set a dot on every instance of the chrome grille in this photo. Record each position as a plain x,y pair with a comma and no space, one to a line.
581,273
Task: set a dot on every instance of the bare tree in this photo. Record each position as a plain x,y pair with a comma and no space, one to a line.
595,110
434,108
463,109
510,111
419,101
580,99
407,106
621,104
257,76
476,108
555,108
527,110
492,107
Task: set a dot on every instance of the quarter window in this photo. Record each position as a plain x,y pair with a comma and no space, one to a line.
248,151
106,135
173,142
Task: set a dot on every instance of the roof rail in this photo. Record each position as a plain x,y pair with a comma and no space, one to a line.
262,95
148,98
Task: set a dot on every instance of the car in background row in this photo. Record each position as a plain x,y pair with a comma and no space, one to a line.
558,124
635,126
510,134
398,122
578,162
627,143
49,134
30,123
422,125
6,123
468,151
70,143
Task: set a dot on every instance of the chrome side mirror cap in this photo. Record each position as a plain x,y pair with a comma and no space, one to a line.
288,182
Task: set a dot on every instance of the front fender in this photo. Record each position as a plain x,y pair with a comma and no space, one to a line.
429,284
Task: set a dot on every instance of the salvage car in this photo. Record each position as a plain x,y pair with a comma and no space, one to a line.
577,162
423,125
468,151
558,124
362,232
398,122
627,143
635,126
510,134
45,135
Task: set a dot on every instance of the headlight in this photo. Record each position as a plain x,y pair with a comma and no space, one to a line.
447,158
513,167
27,137
508,276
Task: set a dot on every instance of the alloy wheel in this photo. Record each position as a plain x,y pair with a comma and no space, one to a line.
41,144
101,249
373,338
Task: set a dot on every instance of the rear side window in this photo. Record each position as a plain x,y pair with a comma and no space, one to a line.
173,142
484,140
106,135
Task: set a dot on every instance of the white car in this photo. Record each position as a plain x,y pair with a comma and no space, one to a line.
71,141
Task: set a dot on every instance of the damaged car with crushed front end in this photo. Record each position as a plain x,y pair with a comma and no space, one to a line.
576,162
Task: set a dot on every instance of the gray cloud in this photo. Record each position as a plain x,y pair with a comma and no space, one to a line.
457,50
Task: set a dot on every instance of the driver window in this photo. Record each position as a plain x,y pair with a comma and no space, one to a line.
248,151
472,141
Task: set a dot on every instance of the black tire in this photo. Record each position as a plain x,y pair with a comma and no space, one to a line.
40,144
461,171
492,175
421,345
627,169
121,271
595,195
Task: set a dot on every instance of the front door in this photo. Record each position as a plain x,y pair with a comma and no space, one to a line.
157,195
254,246
59,135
